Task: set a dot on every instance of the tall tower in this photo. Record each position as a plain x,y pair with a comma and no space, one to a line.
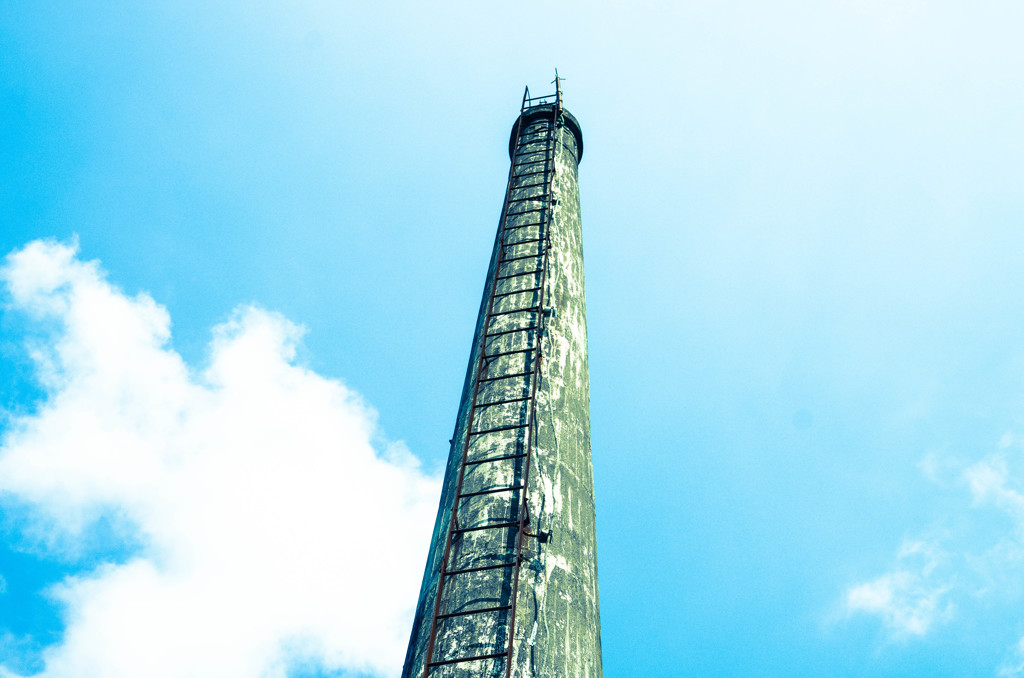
510,587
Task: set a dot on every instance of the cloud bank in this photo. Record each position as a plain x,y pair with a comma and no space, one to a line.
266,532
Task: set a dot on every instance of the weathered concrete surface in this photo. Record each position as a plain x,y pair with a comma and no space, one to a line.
557,625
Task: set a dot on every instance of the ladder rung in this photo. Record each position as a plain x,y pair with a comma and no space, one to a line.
508,376
531,162
468,659
522,242
497,608
492,356
479,569
531,173
518,329
535,209
542,196
546,134
507,294
528,174
516,310
516,275
494,526
512,228
525,256
524,186
503,457
503,402
510,427
494,491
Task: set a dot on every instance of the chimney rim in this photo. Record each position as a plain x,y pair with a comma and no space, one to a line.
533,113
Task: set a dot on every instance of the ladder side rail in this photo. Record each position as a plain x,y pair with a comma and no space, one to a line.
555,134
453,520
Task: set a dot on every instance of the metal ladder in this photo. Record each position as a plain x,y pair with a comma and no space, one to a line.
501,433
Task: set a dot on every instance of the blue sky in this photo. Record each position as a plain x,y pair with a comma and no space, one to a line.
803,246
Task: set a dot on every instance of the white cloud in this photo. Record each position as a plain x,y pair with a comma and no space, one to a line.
271,530
910,599
976,573
990,481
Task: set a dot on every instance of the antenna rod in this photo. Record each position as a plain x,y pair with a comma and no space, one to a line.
558,90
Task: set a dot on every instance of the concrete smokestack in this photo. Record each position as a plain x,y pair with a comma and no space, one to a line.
510,587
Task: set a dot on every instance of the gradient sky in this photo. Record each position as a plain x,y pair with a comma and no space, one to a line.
804,245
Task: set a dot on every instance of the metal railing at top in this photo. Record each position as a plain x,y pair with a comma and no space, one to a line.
545,100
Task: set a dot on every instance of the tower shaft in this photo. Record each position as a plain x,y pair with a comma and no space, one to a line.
510,587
